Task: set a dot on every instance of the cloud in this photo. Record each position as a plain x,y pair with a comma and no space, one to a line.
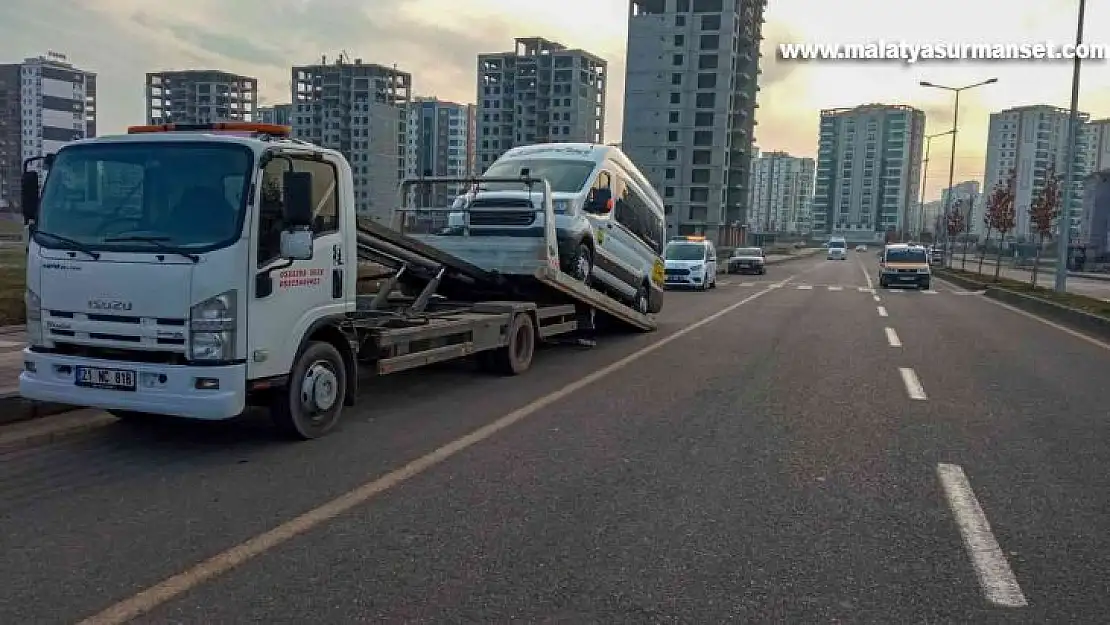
776,70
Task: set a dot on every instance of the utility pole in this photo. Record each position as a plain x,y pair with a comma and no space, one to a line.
1063,238
924,178
952,161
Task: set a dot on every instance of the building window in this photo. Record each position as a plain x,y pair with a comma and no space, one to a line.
702,157
699,213
705,100
699,176
678,59
672,155
680,40
676,98
673,117
676,79
711,22
672,136
669,173
668,191
703,119
680,20
707,81
710,42
708,61
703,137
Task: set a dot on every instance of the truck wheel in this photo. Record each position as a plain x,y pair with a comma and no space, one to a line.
581,265
516,357
310,405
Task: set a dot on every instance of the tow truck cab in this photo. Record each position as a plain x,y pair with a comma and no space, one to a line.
179,269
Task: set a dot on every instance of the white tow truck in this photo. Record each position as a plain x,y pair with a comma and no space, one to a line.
198,270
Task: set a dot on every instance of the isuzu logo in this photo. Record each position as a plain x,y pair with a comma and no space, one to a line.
109,304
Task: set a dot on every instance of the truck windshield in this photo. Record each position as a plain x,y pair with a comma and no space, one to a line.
164,196
684,251
564,176
834,244
906,256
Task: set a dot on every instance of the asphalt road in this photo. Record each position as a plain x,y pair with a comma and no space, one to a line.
771,464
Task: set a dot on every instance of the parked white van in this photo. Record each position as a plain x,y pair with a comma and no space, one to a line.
608,219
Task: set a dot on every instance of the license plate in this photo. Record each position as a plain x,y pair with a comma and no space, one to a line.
97,377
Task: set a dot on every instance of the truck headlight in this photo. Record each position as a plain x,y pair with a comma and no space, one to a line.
923,270
696,268
34,317
212,327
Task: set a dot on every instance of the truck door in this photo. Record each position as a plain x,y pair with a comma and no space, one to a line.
296,294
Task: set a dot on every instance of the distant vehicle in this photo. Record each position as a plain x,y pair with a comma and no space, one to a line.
904,265
837,249
690,261
936,256
748,260
861,248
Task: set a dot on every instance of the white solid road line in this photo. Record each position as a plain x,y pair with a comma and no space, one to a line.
913,385
882,311
805,287
836,288
154,596
866,276
991,567
892,338
1079,335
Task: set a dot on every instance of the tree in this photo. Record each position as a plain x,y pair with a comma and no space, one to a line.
1000,215
1043,213
955,226
996,196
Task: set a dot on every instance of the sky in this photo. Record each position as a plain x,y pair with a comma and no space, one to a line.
438,41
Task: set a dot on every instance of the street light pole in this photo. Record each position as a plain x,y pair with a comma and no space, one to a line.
952,161
924,178
1063,238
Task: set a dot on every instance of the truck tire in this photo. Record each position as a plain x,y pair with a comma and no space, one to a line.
312,402
516,357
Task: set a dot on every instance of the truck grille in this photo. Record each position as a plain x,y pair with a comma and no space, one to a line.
502,215
677,272
108,336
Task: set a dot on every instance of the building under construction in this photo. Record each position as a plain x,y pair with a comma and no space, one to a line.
359,109
200,96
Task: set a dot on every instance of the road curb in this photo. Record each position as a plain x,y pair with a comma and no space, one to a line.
49,429
1073,318
16,409
1078,320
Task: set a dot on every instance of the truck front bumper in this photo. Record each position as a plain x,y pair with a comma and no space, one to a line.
210,393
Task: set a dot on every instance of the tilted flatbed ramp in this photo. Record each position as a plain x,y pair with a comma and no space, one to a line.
575,290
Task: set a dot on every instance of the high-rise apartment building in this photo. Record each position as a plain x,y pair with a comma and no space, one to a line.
781,193
1098,145
45,102
281,114
1030,140
440,143
689,107
540,92
200,96
361,110
868,170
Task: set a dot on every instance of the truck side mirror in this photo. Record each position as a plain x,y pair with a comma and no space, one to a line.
30,196
297,207
296,244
